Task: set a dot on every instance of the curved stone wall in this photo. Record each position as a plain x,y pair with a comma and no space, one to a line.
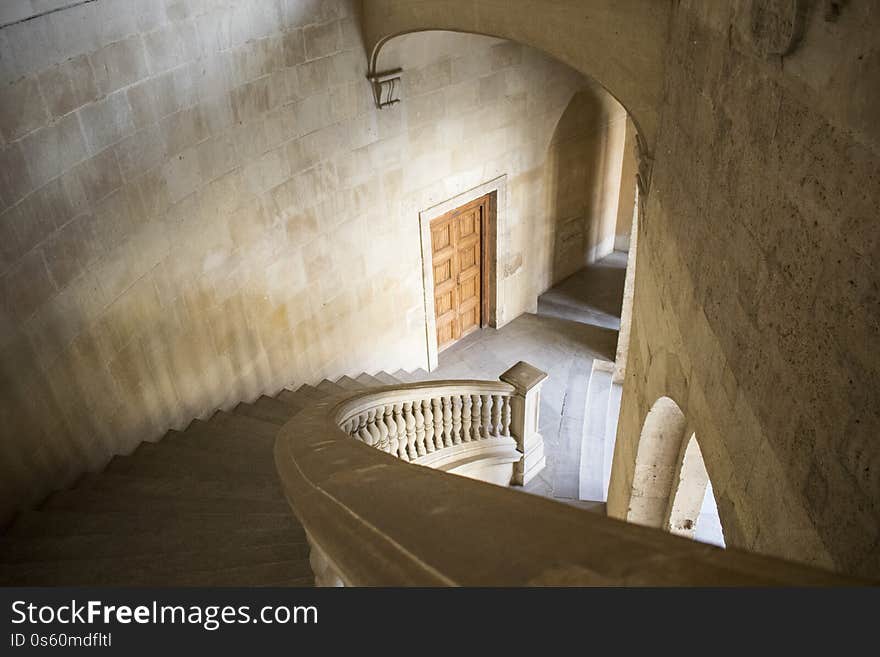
200,203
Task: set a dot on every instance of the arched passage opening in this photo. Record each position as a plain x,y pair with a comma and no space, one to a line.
693,512
656,459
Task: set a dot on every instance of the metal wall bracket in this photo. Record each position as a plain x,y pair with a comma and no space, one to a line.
385,87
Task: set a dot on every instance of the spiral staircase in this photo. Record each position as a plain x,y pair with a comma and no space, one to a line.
211,505
201,507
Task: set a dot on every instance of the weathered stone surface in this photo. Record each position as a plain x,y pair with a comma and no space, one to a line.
200,204
747,273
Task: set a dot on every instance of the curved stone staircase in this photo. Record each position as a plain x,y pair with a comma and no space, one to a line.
201,507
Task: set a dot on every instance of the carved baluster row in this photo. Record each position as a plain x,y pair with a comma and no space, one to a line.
412,429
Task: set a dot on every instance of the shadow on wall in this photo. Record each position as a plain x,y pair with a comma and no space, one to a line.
583,172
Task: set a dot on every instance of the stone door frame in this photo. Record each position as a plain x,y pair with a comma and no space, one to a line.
497,225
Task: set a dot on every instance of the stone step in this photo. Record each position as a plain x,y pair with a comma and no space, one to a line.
368,381
612,417
147,570
226,437
203,453
117,523
302,397
329,388
97,500
266,409
592,461
403,376
347,383
386,379
181,459
148,542
129,484
246,426
143,469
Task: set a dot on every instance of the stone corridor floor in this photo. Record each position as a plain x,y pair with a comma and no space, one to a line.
577,321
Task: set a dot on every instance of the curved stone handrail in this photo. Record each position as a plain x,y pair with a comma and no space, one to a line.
374,519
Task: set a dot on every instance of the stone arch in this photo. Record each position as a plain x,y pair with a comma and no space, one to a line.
589,40
688,490
656,459
692,500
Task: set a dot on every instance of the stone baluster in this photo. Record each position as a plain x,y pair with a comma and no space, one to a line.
505,416
447,422
363,432
485,418
382,424
477,420
466,422
497,401
428,419
391,424
401,447
525,405
420,428
375,432
437,412
409,419
456,419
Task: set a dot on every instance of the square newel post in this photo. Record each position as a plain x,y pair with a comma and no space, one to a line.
525,407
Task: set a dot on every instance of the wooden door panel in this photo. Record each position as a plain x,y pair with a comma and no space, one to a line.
443,273
469,224
445,334
457,261
441,236
469,289
469,320
469,255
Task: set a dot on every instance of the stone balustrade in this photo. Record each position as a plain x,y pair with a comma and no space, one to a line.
347,465
435,420
486,430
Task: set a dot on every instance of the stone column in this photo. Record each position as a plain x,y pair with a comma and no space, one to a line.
525,411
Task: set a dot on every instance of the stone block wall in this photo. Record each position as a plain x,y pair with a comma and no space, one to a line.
199,203
757,296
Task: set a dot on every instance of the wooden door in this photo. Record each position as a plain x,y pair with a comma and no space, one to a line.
457,241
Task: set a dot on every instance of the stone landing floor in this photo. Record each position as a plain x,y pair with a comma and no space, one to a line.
577,321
